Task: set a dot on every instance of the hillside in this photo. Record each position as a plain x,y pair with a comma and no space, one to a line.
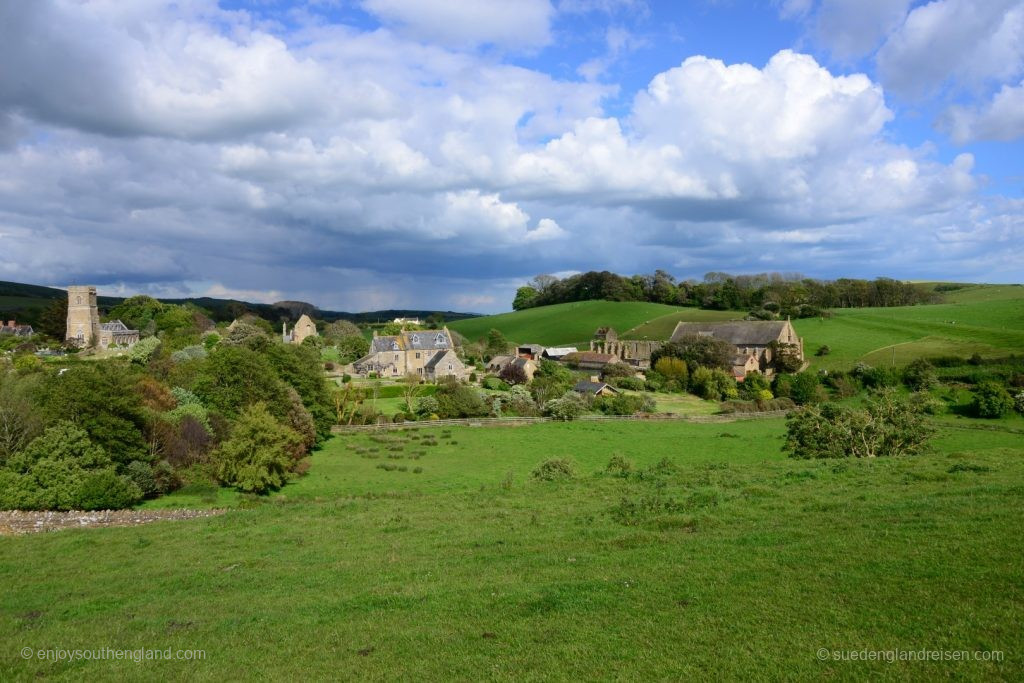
983,319
569,323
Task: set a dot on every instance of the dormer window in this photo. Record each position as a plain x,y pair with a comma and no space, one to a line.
440,340
415,339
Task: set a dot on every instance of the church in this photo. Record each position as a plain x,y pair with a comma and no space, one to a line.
84,328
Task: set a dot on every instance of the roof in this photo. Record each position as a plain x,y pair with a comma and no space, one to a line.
116,326
416,340
738,333
305,320
591,357
588,387
523,362
534,348
500,361
559,351
438,357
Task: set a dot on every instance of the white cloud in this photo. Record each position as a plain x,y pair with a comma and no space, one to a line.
519,24
546,229
1000,119
960,41
852,28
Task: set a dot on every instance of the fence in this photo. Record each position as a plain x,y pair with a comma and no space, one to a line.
513,421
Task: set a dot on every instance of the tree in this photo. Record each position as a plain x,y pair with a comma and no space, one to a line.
513,374
20,421
411,389
753,386
496,343
673,369
785,357
806,388
351,349
234,377
920,375
526,297
138,311
991,400
256,458
53,320
698,351
886,426
713,384
340,329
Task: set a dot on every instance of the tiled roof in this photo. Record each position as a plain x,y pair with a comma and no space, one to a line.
740,333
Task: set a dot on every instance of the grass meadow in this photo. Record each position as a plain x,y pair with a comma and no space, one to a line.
729,562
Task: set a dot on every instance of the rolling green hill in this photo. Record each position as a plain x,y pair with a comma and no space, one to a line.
983,319
563,323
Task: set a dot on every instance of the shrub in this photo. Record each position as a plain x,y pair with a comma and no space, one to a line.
713,385
631,383
257,456
1018,402
141,474
105,490
991,400
887,426
673,369
618,466
195,352
513,374
624,404
144,350
920,375
555,469
806,388
753,386
569,406
494,384
823,350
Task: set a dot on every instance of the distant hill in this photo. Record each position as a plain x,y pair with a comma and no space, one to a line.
25,302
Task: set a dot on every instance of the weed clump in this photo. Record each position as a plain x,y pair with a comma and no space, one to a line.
618,466
554,469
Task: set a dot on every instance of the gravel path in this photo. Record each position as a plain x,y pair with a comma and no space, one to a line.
26,522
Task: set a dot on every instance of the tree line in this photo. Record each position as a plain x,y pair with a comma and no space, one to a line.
765,295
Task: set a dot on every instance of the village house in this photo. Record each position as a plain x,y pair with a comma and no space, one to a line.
429,354
594,387
13,328
752,338
498,363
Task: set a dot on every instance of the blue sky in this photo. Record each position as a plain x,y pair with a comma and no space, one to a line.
364,154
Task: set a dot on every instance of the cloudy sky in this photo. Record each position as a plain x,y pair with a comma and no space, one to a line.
367,154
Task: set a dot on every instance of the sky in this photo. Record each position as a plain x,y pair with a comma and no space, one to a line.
438,154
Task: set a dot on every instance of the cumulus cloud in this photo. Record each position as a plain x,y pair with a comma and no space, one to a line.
961,42
184,148
521,24
1001,119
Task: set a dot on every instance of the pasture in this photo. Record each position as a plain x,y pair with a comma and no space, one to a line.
727,560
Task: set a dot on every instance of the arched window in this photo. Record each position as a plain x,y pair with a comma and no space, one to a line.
78,301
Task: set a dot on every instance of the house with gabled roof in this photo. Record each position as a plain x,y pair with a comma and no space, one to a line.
757,338
429,354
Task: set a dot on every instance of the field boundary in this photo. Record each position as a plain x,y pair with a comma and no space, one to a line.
514,421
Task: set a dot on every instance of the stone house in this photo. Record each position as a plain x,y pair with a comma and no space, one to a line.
429,354
499,363
750,337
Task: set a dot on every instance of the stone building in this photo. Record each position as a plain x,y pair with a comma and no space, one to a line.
12,327
304,328
83,323
429,354
632,351
757,338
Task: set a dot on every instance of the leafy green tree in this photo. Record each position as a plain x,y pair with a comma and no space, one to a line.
806,388
20,418
340,329
144,350
299,367
887,426
496,343
247,335
991,400
53,319
234,377
351,349
673,369
256,458
785,357
566,407
102,398
455,399
526,297
63,470
713,384
754,385
698,351
137,312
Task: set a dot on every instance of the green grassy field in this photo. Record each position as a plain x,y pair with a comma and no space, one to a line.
563,323
735,564
988,320
662,328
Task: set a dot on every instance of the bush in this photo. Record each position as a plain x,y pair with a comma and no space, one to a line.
806,388
258,455
713,385
673,369
189,353
569,406
624,404
631,383
105,490
754,386
887,426
991,400
144,350
618,466
920,375
555,469
823,350
141,474
494,384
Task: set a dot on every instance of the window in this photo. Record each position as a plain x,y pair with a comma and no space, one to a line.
440,340
449,366
396,356
415,339
417,354
78,301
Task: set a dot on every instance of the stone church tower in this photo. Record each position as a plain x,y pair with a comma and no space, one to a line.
83,316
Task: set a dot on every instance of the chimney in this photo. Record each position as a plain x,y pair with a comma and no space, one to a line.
596,379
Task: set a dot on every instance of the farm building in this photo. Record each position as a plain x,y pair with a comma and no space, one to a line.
755,338
590,360
559,352
593,387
